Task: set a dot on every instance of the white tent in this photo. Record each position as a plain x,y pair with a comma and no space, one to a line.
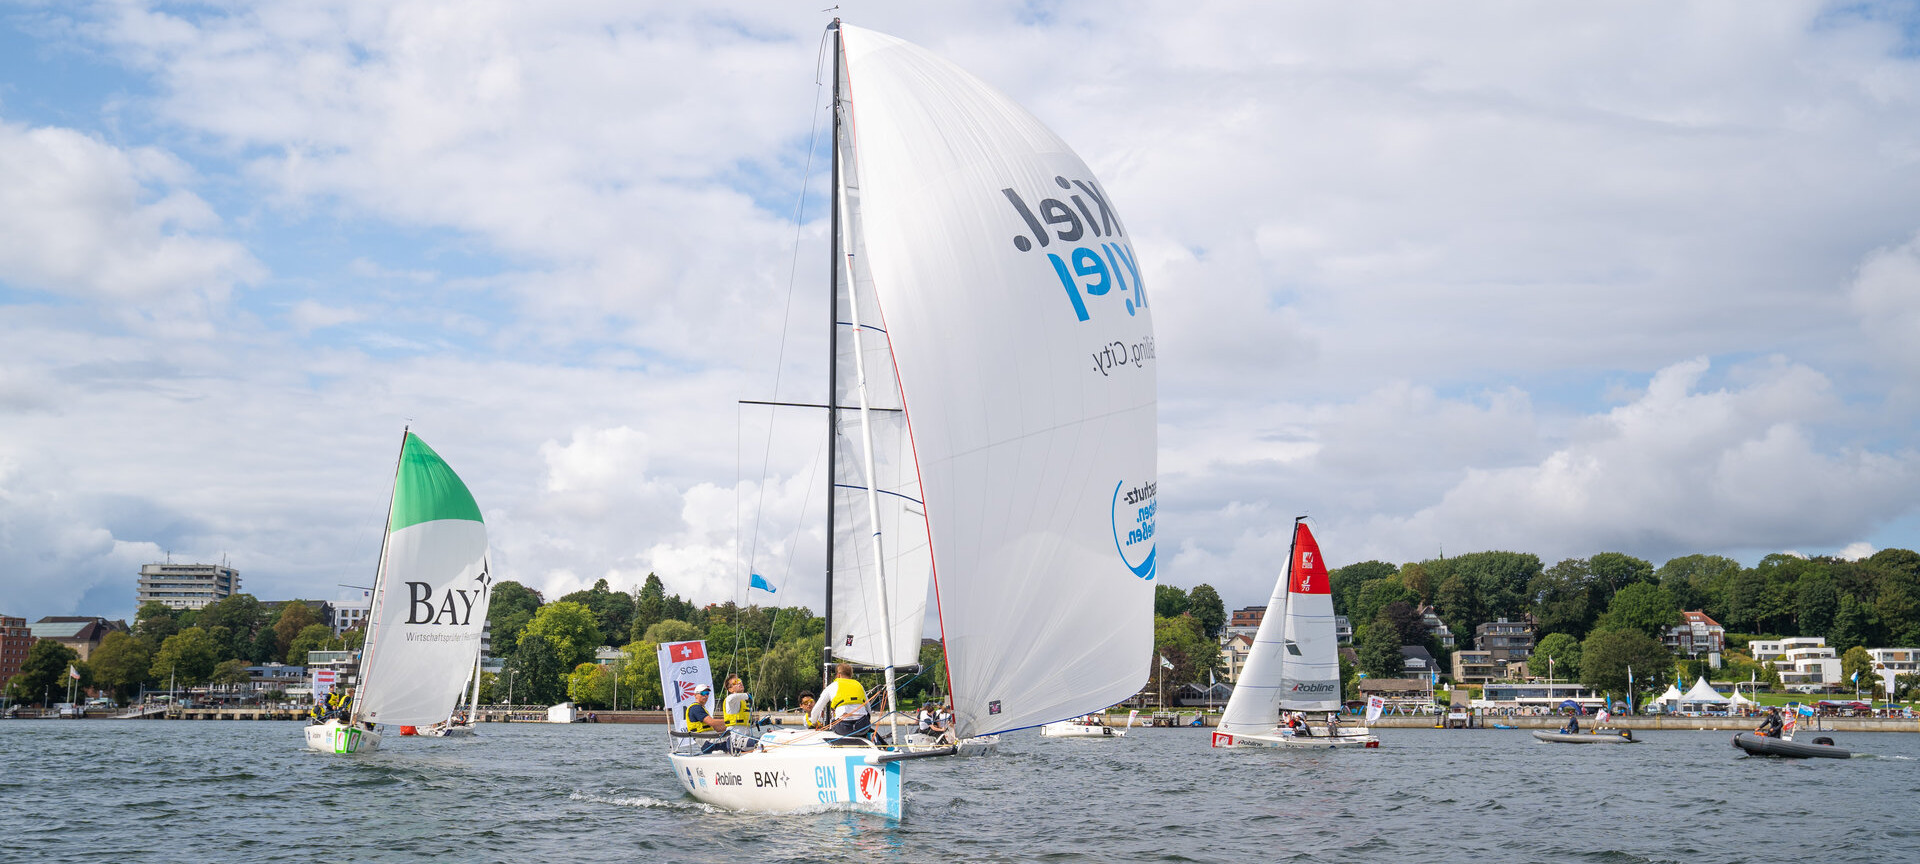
1739,702
1702,697
1670,700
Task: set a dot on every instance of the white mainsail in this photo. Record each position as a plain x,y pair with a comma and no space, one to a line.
430,596
1254,707
906,561
1010,298
1310,665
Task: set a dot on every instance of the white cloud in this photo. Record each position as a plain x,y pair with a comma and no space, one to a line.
81,218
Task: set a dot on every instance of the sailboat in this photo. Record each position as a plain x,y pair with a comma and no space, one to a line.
1294,664
429,604
990,425
457,726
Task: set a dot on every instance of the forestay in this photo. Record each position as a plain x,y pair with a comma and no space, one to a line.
430,596
1010,298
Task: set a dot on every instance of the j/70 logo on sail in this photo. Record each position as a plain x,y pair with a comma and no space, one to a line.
1104,267
1136,508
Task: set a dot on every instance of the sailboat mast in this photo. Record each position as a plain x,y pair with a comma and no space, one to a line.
1286,598
379,585
833,355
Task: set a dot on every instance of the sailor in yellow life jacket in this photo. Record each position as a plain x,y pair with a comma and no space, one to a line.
845,702
698,720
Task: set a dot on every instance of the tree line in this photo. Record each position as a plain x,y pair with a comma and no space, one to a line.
184,648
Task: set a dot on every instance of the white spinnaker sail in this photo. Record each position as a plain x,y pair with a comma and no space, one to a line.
1020,335
430,597
908,562
1310,667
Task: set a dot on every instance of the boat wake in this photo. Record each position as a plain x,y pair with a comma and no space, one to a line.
646,802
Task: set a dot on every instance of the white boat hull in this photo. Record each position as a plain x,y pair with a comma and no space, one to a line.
1080,730
461,730
336,737
1351,738
984,745
794,778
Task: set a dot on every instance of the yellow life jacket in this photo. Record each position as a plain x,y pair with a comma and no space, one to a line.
693,725
847,691
742,717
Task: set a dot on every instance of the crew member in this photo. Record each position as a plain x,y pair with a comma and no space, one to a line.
1769,725
698,720
844,705
806,711
1573,725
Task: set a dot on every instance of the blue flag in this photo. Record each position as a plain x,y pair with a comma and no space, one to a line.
760,582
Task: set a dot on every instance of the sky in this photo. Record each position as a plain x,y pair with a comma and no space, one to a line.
1559,279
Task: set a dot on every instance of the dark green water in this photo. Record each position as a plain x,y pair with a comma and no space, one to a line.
106,791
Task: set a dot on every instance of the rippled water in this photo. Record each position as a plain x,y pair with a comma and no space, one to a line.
212,792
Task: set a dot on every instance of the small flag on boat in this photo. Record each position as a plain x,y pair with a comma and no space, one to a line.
75,673
1603,715
758,581
1164,662
1375,704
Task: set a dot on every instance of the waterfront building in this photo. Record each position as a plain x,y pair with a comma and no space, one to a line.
1343,631
1888,664
278,677
1537,695
80,632
1233,654
1696,635
1804,663
187,586
1246,620
1404,694
1506,641
1416,660
1476,667
346,664
348,617
15,638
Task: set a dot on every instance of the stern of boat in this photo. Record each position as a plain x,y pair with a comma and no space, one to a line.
335,737
792,779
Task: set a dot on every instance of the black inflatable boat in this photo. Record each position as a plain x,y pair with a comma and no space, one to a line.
1818,748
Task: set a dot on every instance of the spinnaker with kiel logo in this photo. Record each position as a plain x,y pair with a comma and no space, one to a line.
429,598
1293,666
991,423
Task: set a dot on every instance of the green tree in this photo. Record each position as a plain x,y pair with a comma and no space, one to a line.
1346,582
1563,650
1607,655
1819,601
1377,595
1564,598
538,677
1192,654
1856,668
1379,650
241,616
510,607
1898,606
591,686
640,675
122,663
188,656
570,628
612,610
1699,582
1207,608
1169,602
1615,571
313,637
43,674
295,617
266,647
650,606
670,630
1852,622
156,621
1642,606
230,673
1420,582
